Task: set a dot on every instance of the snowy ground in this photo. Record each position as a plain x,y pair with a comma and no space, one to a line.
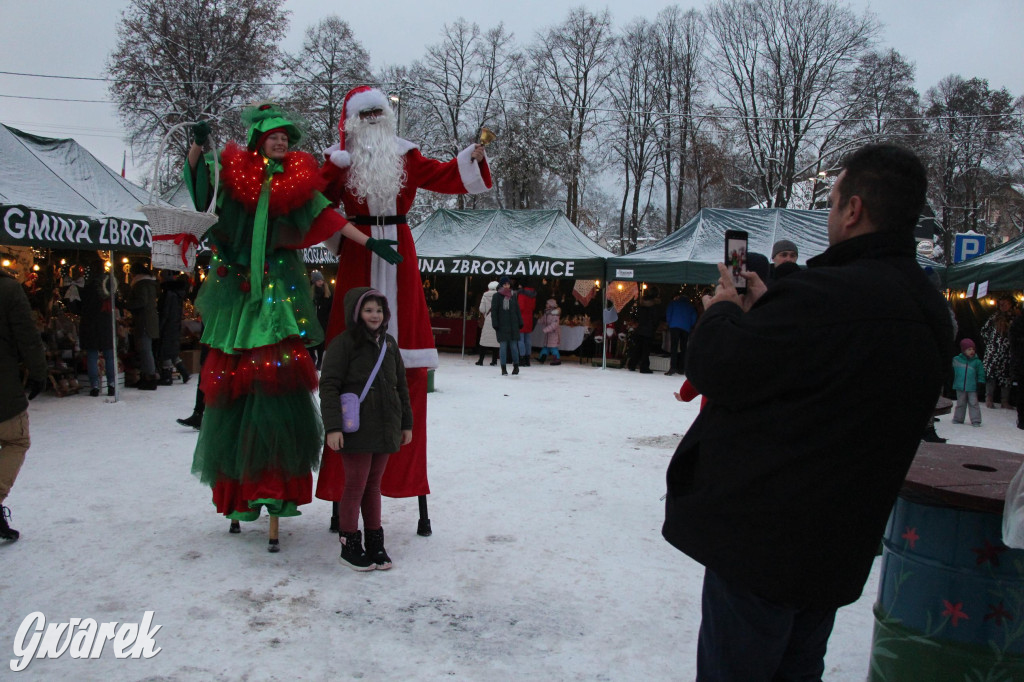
546,561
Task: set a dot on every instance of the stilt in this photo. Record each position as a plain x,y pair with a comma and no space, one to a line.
334,517
273,545
423,528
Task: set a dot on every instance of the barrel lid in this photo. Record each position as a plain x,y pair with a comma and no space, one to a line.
961,476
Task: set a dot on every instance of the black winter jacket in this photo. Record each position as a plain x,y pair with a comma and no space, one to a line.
817,401
20,344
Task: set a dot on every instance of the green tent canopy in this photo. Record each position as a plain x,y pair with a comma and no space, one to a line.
690,254
493,243
1002,268
55,194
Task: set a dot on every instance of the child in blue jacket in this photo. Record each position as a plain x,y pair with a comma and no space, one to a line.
968,372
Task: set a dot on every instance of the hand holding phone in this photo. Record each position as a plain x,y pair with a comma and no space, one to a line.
736,258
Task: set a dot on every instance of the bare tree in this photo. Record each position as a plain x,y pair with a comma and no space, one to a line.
446,84
635,93
330,63
780,69
971,130
681,57
181,60
574,58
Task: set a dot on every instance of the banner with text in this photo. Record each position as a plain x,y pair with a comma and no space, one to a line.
496,267
21,226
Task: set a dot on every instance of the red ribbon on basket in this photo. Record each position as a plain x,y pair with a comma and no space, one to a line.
184,240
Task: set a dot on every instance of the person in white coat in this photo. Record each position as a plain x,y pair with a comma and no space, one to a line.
488,336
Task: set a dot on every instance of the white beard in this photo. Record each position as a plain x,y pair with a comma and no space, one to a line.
377,173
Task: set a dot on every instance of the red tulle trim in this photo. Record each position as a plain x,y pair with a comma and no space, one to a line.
242,175
233,496
281,368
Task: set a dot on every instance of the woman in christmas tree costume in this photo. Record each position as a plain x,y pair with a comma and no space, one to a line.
261,433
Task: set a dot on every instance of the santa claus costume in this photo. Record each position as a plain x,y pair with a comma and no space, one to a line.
376,197
261,433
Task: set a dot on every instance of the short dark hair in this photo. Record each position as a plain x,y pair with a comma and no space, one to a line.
891,182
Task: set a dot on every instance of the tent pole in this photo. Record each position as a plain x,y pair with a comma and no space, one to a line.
112,286
465,296
604,327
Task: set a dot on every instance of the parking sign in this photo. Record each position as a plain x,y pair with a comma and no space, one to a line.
967,246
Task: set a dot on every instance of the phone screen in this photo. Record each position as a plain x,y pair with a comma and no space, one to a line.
736,258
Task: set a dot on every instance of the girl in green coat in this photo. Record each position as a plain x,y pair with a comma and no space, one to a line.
385,420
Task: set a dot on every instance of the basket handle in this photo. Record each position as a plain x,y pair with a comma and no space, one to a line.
156,166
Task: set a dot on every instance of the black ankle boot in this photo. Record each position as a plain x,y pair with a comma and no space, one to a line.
185,376
8,533
504,372
375,549
930,436
195,421
166,378
352,554
515,369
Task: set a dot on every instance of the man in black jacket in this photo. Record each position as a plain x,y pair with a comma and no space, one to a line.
783,484
19,345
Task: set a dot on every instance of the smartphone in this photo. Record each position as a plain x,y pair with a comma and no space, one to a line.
736,257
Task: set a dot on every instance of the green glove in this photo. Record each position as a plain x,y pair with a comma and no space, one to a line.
382,247
201,133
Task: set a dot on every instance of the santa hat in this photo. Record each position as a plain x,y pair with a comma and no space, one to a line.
361,98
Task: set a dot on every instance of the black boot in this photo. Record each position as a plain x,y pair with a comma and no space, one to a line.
930,436
166,378
515,369
8,533
375,549
352,554
185,376
147,383
195,421
504,372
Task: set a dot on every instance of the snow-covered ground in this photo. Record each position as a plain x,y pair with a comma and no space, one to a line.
546,561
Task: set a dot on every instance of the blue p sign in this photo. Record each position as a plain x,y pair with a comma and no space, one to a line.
967,246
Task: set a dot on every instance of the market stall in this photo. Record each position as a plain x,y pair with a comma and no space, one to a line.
492,243
57,197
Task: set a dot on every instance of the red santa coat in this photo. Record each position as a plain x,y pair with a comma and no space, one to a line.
406,473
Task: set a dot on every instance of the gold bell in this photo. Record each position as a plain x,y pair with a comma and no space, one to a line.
486,136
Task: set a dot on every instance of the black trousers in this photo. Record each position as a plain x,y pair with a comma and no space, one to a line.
677,348
745,638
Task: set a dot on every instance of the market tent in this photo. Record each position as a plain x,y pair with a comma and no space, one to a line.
492,243
690,254
1002,268
500,242
55,194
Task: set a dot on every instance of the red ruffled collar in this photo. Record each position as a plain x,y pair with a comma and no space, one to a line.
243,171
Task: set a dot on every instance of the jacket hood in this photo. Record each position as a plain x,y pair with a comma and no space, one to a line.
354,301
551,304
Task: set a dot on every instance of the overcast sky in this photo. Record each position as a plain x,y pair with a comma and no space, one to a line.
73,38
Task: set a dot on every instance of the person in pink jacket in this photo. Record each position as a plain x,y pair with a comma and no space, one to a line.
552,332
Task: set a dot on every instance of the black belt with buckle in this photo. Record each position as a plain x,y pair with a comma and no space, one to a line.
378,219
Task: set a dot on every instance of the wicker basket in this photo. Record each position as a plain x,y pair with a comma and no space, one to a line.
187,226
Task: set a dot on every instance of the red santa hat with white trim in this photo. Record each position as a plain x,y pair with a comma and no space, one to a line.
359,99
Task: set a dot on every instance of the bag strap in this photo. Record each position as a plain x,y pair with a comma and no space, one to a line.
373,374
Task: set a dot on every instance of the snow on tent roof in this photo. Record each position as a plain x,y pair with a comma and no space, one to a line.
504,242
1002,268
690,254
54,193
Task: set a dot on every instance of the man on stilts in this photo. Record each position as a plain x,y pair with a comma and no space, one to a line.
374,176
